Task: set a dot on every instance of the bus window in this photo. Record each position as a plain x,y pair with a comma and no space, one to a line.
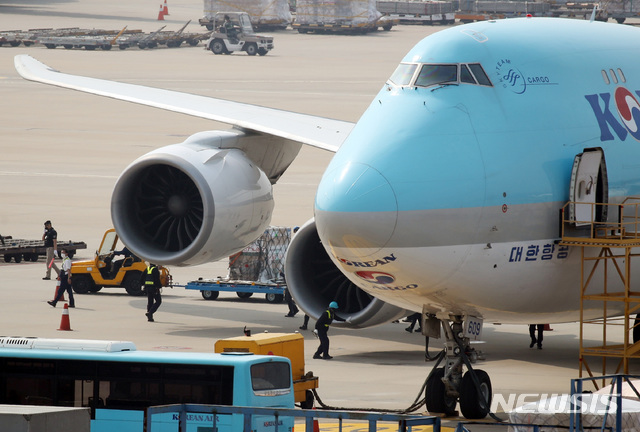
267,377
204,384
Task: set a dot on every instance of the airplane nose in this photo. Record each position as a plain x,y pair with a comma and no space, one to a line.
356,208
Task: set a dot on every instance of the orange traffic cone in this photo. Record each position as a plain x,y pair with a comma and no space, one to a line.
58,290
161,14
64,322
165,9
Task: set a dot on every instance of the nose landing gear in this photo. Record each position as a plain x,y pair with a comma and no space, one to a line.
447,385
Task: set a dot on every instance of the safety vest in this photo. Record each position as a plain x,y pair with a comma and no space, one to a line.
149,279
328,316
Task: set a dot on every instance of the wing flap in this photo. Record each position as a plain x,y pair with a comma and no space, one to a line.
324,133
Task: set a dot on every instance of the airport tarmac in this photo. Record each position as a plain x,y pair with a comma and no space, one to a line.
62,152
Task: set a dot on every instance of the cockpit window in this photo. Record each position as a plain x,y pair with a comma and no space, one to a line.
432,74
403,74
480,74
466,76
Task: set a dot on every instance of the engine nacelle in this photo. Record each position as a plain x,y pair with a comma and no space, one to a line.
191,203
314,281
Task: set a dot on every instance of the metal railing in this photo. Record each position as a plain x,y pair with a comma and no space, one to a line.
615,400
605,221
404,422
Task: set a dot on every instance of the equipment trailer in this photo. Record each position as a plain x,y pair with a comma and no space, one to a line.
210,289
30,250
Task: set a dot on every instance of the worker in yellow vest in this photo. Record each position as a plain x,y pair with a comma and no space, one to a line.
322,327
152,286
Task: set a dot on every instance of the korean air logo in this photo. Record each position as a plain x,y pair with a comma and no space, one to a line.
617,114
629,111
376,277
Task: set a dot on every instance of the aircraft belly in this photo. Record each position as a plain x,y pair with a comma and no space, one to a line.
514,282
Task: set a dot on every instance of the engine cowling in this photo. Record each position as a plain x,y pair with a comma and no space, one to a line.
314,281
191,203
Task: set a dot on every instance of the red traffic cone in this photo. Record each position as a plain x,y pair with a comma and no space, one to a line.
57,290
161,14
64,322
165,9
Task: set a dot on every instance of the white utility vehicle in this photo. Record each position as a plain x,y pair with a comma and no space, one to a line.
233,32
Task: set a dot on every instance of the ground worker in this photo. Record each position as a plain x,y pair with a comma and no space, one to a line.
322,327
152,287
50,238
65,281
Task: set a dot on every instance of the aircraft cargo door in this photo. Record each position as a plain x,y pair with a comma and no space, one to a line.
589,186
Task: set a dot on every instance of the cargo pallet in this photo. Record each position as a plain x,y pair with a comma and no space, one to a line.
30,250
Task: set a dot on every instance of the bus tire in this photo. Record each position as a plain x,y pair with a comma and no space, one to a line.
209,295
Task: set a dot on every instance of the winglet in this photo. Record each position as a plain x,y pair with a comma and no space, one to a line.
25,65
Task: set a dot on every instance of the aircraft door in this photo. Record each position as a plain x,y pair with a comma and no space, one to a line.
589,186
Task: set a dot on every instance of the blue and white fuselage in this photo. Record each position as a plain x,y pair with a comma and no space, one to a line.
447,191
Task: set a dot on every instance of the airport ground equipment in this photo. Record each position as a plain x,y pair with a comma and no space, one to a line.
105,271
211,288
264,14
341,16
257,269
411,12
290,345
31,250
243,37
92,39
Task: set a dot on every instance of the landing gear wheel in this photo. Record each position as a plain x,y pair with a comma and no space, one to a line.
472,405
251,49
244,295
217,47
82,284
131,283
435,396
274,298
209,295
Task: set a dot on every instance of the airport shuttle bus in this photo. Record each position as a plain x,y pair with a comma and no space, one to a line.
118,383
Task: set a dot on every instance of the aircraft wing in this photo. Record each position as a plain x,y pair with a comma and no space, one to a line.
315,131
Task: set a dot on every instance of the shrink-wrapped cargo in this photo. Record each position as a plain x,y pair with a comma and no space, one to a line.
337,12
263,13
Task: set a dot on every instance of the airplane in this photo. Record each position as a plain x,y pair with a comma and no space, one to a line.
443,198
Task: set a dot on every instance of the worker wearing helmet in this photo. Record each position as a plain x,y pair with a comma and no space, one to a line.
322,327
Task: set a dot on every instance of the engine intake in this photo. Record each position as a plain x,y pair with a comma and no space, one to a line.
191,203
314,281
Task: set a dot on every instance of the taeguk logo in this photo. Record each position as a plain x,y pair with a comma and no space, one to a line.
376,277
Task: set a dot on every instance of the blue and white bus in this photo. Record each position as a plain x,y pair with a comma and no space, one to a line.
118,383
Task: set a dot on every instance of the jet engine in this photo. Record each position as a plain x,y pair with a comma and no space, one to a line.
314,281
201,200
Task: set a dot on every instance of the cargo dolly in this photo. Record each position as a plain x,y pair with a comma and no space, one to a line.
30,250
210,288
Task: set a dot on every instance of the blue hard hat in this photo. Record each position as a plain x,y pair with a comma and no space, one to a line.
333,305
